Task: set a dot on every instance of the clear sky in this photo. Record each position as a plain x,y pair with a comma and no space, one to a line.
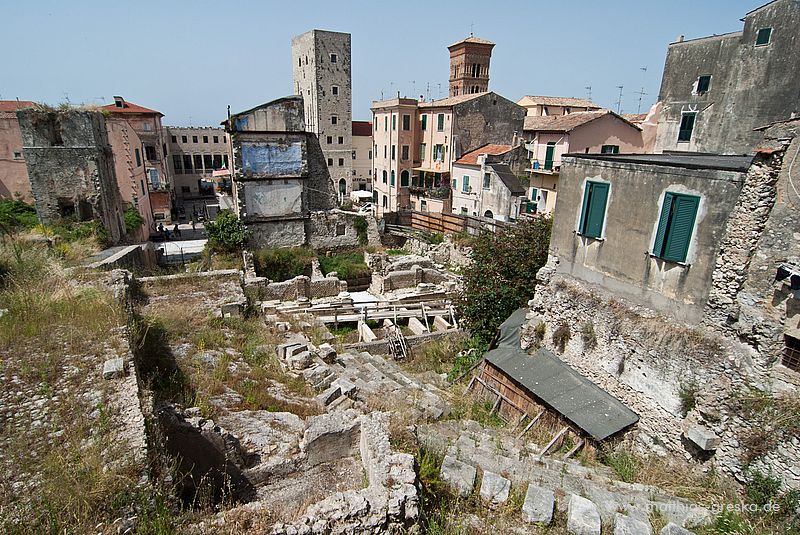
191,59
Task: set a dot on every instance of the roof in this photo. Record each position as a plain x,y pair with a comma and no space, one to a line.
536,100
14,105
558,386
472,40
568,122
508,178
688,160
362,128
129,107
451,101
634,118
471,158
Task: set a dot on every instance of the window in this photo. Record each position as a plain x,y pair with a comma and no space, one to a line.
334,58
404,152
205,139
763,36
393,152
187,163
454,185
487,179
440,122
703,83
335,90
341,162
184,139
354,155
340,140
465,183
438,152
217,161
391,179
141,187
609,149
330,162
198,163
369,155
208,162
593,211
406,122
384,151
394,122
177,163
216,139
224,139
225,161
422,148
194,139
385,201
138,154
334,119
184,189
329,140
174,139
674,231
148,127
687,125
424,121
385,123
404,179
150,153
791,353
384,176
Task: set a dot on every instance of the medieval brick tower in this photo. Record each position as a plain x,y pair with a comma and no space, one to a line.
469,66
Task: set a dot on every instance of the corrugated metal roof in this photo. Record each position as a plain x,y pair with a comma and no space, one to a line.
557,386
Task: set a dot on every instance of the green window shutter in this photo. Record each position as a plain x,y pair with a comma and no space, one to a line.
598,196
661,231
424,121
679,233
584,209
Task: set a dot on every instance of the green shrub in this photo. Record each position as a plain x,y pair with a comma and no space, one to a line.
360,224
436,238
588,336
346,265
561,336
396,252
623,463
762,488
16,214
687,393
226,232
283,263
133,219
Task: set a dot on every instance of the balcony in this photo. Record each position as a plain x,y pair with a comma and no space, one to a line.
442,192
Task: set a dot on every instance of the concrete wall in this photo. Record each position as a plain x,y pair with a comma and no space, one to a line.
362,163
71,168
751,86
621,261
314,75
181,143
13,170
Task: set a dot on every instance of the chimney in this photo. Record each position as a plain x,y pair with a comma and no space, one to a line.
680,39
119,102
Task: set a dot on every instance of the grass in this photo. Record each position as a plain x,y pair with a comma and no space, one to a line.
396,252
346,265
281,264
777,418
438,355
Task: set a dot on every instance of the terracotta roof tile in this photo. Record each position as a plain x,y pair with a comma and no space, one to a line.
471,158
538,100
129,107
567,123
474,40
362,128
14,105
450,101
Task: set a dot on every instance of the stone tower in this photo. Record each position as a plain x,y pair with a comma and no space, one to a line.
469,66
322,75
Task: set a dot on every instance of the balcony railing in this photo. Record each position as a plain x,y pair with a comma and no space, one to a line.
442,192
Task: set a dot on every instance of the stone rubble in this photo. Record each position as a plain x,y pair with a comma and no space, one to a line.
582,516
460,476
538,505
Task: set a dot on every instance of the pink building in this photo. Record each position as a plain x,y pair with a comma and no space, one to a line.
540,106
13,170
550,137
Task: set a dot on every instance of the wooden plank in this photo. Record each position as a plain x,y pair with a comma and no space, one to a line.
531,423
574,450
555,439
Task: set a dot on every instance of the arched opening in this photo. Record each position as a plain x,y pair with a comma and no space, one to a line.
384,176
385,201
342,186
375,198
404,179
488,214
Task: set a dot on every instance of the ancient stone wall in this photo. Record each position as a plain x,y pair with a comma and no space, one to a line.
332,230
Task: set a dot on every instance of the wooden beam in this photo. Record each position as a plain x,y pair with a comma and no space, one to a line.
574,450
555,439
536,419
496,403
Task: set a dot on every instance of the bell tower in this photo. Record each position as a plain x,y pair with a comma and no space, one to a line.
469,66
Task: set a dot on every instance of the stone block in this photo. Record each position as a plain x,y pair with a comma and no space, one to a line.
441,324
328,396
625,525
495,488
326,353
583,518
674,529
705,439
283,349
366,333
538,505
300,361
114,368
347,388
296,349
460,476
416,326
232,310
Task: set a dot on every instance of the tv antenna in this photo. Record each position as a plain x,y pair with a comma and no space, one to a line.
588,89
641,93
619,100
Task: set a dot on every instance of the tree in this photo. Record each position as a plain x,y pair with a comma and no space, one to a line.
226,233
502,275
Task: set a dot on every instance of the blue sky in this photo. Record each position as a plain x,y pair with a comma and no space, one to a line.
190,59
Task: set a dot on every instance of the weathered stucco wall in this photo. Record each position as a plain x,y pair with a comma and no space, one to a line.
621,260
489,118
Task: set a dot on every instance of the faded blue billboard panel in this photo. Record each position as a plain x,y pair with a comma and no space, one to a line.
273,159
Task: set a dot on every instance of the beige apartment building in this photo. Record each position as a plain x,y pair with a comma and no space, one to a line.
362,156
394,138
195,153
540,106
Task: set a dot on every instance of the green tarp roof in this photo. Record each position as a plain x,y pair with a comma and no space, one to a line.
557,386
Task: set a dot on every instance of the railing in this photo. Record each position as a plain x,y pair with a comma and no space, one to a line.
442,192
442,223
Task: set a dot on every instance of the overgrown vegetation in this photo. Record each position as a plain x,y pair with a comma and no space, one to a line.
346,265
777,418
438,355
133,219
360,224
561,336
283,263
16,214
502,276
588,336
226,232
688,391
